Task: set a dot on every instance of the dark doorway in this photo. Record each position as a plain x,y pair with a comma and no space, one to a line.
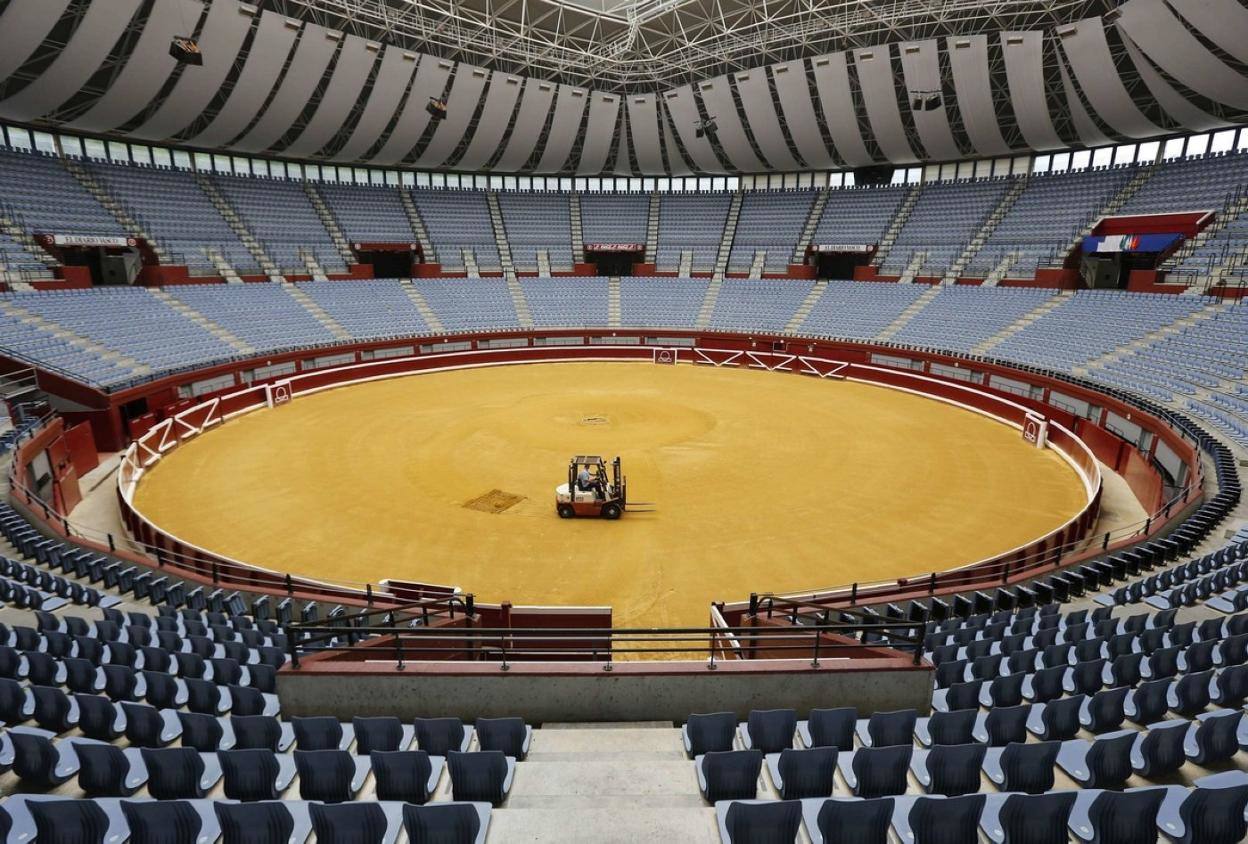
390,264
615,258
839,265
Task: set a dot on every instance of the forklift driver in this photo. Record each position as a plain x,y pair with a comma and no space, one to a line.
586,482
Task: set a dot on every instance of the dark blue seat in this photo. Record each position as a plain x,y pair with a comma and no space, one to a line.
174,773
1147,703
827,728
200,731
254,823
856,821
439,736
951,769
256,731
1057,719
768,821
1126,817
804,773
953,820
767,730
1036,818
68,821
1001,726
879,771
709,732
725,775
1214,738
147,726
1213,811
54,710
250,775
1025,768
245,700
318,733
1103,712
348,823
37,761
1189,694
1103,763
99,718
887,729
406,776
483,776
510,736
947,727
104,771
326,775
1159,751
383,733
451,823
204,696
162,821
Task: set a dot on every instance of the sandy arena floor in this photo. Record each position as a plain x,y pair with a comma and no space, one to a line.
764,482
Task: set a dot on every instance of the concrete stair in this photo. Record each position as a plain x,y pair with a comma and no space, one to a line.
685,268
470,263
1001,269
913,268
708,303
543,262
1022,322
894,228
605,783
578,237
500,236
330,224
613,301
9,227
1180,324
1130,189
523,314
223,267
317,311
652,228
418,226
985,231
236,224
808,231
418,300
804,309
757,264
110,203
730,234
198,318
73,338
908,314
313,266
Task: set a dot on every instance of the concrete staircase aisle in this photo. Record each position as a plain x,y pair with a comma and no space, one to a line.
224,268
1001,269
578,238
757,263
909,313
708,303
913,268
331,225
543,262
894,228
730,234
418,226
315,270
500,236
685,268
110,203
1180,324
28,242
1022,322
981,237
804,309
606,783
652,228
418,299
73,338
212,327
613,301
317,311
808,230
470,263
235,222
1130,189
523,315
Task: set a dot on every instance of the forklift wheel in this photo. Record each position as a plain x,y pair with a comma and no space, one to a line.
611,511
566,511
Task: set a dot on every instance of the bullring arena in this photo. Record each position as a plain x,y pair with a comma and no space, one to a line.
743,465
583,421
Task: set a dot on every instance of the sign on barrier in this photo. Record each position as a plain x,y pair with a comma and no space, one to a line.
278,393
665,356
1036,430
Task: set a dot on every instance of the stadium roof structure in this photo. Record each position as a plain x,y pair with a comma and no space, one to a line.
621,87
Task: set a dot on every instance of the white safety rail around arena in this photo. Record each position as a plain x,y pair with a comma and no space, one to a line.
146,451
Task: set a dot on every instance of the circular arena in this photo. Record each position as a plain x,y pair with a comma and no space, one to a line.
451,480
578,421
